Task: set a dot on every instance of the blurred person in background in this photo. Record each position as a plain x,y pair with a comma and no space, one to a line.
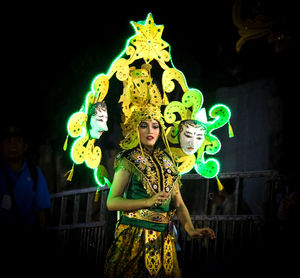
24,197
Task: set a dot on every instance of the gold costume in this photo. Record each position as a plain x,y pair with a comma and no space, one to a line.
144,244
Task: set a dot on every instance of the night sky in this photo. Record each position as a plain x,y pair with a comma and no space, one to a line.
52,53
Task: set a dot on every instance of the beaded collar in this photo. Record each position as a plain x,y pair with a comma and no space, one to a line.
156,168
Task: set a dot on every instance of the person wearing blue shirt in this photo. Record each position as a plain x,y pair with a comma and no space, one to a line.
24,196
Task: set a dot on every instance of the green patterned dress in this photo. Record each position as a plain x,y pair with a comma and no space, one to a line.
144,243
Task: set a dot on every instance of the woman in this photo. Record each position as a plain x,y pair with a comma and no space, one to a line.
145,187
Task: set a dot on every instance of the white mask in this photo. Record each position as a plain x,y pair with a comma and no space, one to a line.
191,138
98,123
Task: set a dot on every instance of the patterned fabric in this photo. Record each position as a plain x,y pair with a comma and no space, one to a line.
144,244
148,215
139,252
156,171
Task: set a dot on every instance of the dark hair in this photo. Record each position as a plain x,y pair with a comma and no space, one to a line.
13,131
101,105
193,123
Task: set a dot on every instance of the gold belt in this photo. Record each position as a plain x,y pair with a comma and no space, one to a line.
153,259
148,215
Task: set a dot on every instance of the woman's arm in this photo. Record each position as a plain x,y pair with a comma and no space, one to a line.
185,220
115,200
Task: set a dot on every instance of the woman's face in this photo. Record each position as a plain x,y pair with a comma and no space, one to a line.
149,132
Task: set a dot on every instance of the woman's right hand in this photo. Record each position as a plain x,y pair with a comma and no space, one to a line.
157,199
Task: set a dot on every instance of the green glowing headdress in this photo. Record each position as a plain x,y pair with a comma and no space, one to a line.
140,94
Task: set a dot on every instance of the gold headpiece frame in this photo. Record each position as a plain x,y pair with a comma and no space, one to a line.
141,99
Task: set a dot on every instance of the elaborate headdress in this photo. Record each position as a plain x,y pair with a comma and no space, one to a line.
190,108
141,99
83,148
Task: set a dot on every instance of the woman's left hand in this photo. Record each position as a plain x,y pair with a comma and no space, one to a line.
201,233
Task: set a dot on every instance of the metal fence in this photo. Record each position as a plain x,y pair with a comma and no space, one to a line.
84,228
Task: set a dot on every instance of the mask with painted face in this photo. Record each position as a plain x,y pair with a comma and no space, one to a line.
98,120
191,136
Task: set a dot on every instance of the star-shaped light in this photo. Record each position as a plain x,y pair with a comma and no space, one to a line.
147,40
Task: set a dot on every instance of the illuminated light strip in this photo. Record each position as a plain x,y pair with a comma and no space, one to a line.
86,106
217,118
107,182
199,164
131,59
